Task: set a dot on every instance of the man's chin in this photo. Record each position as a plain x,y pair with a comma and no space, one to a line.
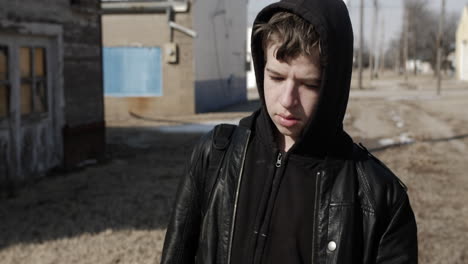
287,132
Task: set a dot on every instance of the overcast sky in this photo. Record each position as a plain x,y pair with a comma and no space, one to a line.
391,11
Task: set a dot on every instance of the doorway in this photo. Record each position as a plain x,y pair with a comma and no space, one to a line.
30,135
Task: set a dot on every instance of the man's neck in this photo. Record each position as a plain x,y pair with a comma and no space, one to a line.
285,142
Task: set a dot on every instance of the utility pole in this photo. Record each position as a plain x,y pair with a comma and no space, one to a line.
397,59
405,42
439,47
373,48
380,64
361,42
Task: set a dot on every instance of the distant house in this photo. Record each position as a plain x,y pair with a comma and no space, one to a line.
419,66
176,57
462,46
51,97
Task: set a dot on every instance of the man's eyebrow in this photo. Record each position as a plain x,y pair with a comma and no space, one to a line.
272,71
302,79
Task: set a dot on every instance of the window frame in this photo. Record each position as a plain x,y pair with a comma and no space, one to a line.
14,42
8,83
33,80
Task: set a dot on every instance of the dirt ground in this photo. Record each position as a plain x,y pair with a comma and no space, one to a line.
117,211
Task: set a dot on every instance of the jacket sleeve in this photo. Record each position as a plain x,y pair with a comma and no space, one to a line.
181,241
399,241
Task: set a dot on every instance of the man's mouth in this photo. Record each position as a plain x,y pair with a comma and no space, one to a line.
287,120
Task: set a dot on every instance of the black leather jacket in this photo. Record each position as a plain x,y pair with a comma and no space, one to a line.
363,213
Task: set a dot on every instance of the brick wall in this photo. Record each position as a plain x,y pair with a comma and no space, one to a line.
150,30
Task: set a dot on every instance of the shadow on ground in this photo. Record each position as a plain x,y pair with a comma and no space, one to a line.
133,189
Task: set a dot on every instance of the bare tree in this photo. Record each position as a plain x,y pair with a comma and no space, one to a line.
422,30
428,45
420,21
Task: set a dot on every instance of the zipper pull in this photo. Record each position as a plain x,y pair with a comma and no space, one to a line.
279,159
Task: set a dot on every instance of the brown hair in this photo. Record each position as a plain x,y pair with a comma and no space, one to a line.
294,35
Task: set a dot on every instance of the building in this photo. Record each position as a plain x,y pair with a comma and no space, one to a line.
51,96
178,57
419,67
251,80
462,46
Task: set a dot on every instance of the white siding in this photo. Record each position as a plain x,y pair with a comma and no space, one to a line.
220,53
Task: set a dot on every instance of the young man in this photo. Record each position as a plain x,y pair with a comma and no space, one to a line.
288,185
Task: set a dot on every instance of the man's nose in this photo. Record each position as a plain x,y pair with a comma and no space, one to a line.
289,94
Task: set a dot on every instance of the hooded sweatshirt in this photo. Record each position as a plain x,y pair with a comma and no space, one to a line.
277,195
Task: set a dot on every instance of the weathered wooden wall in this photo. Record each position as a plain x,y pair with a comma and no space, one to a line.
74,130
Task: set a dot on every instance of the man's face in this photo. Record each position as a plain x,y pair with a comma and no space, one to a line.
291,92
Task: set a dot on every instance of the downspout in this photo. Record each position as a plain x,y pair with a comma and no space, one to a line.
183,29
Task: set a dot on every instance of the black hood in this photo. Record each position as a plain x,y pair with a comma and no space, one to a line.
324,134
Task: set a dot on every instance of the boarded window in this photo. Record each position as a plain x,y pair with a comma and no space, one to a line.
4,100
26,80
4,83
130,71
3,63
26,98
40,85
33,80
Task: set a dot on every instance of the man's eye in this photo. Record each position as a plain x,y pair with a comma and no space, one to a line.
312,86
277,78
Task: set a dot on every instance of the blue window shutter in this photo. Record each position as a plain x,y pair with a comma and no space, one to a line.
130,71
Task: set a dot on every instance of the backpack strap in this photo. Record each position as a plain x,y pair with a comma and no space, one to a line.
221,139
222,136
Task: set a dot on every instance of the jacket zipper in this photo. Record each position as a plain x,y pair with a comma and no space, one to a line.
279,159
264,225
233,220
316,209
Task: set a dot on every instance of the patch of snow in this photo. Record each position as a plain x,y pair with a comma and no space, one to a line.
386,142
397,119
405,138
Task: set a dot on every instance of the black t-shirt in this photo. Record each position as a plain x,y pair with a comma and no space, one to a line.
291,228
